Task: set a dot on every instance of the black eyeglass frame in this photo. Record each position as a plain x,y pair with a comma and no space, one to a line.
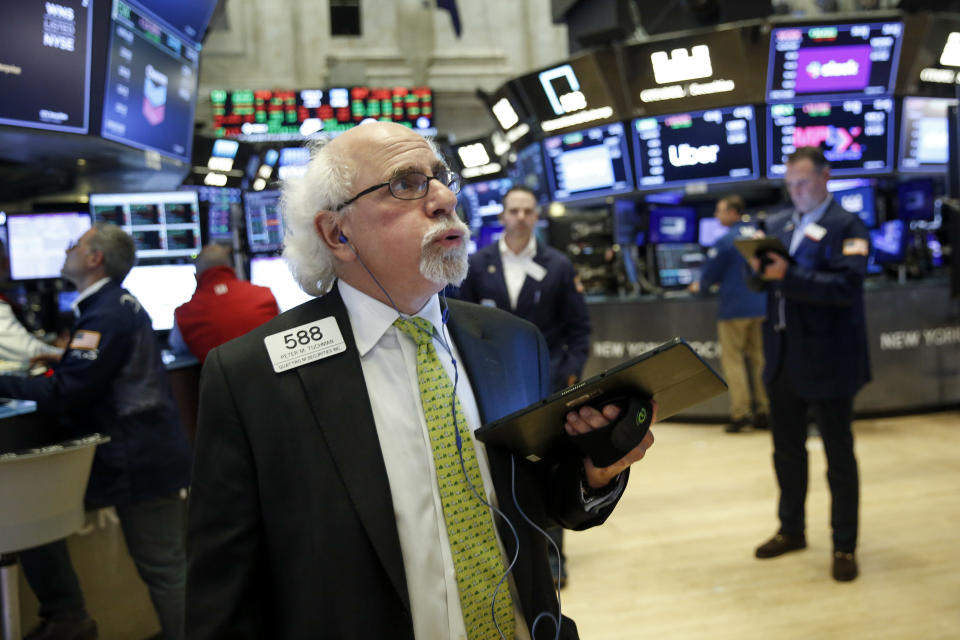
454,180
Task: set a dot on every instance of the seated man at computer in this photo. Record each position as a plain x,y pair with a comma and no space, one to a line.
111,380
222,308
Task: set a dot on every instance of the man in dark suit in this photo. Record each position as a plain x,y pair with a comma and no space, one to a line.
316,507
815,345
537,283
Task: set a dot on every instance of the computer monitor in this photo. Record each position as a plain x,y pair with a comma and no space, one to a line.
45,48
888,242
36,242
718,145
161,288
710,231
151,83
219,204
164,225
678,264
590,163
264,221
855,134
924,135
293,162
833,60
915,199
856,196
673,225
527,171
273,272
483,199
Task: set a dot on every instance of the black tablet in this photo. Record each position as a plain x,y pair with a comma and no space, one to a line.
672,374
750,247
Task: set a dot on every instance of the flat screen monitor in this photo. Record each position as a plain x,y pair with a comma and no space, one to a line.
888,242
161,288
151,84
293,162
678,264
854,134
587,164
163,225
37,242
219,203
189,17
719,145
264,221
833,60
488,233
915,199
45,54
710,231
527,171
673,225
483,199
857,197
923,135
273,272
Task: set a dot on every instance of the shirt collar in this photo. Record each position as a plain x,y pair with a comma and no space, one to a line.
814,214
86,293
528,251
370,318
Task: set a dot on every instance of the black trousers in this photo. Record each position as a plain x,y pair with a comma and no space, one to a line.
789,428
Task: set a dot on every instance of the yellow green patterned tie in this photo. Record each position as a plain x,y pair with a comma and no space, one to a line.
473,543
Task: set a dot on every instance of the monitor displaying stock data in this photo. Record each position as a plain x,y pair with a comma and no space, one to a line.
163,225
589,163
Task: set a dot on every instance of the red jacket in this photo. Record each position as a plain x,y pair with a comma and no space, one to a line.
222,308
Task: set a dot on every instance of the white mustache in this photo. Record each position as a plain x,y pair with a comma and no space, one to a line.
441,228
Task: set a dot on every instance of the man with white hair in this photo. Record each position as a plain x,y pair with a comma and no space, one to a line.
338,490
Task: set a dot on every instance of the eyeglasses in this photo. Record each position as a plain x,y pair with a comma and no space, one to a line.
410,186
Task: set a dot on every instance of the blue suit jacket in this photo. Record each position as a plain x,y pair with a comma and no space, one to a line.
727,267
553,304
825,353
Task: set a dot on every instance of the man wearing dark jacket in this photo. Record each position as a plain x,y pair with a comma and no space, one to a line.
815,344
111,380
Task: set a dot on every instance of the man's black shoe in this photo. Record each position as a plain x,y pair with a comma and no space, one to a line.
844,566
780,544
81,628
761,421
737,426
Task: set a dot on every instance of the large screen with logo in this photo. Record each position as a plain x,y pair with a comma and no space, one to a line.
719,145
590,163
923,134
151,83
854,134
45,64
833,60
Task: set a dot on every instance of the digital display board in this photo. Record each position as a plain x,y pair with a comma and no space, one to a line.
702,71
915,200
590,163
36,243
45,64
189,17
272,272
857,197
527,171
678,265
673,224
719,145
163,225
219,203
855,135
161,288
151,85
264,220
289,114
888,242
923,135
833,60
483,199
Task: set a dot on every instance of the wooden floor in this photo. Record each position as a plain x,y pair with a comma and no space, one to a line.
676,562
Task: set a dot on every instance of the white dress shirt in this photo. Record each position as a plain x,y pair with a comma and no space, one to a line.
516,266
388,358
16,343
806,219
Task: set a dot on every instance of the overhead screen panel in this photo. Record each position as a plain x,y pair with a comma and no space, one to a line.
710,69
45,52
189,17
527,171
163,225
151,84
588,164
264,221
855,135
923,135
37,242
718,145
833,60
